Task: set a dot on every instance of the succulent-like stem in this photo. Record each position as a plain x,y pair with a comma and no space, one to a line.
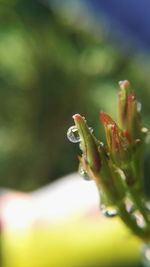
117,167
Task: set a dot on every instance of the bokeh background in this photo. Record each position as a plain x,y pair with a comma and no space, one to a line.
58,58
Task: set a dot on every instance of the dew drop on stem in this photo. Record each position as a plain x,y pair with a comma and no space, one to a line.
130,207
91,129
108,211
139,106
83,173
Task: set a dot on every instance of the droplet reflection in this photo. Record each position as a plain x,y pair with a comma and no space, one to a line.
108,211
83,173
73,135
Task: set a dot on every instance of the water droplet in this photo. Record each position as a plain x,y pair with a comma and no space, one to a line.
91,129
108,211
139,219
144,130
83,173
73,135
146,255
101,144
130,207
139,107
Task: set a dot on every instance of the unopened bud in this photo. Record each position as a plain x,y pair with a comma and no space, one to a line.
118,143
122,103
89,145
133,117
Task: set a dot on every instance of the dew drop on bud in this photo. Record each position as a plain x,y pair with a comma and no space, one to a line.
73,135
130,207
139,219
83,173
144,130
108,211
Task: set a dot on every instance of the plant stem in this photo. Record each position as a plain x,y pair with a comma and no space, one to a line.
130,222
138,203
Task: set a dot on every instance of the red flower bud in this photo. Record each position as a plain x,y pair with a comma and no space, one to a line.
118,143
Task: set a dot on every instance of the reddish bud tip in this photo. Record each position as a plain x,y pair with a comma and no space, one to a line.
124,84
131,97
77,117
127,135
114,130
106,119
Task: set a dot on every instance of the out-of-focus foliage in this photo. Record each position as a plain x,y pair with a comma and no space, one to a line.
49,70
40,80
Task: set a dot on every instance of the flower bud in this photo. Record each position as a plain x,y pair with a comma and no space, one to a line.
133,117
97,164
118,144
128,112
122,103
88,143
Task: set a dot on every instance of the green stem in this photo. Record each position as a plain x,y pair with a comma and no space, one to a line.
135,193
138,203
130,222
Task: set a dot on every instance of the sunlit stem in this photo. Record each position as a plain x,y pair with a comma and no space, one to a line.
131,223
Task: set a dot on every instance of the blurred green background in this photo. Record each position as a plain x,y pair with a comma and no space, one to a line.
52,66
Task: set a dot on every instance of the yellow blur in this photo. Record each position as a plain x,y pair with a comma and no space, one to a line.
94,242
